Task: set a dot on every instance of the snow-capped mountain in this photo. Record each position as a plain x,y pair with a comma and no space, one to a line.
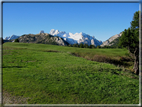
11,37
6,38
70,38
76,38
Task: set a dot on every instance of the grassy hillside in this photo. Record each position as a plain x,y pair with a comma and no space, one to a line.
50,74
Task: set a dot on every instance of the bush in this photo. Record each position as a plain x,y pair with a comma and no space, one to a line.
70,45
81,45
101,58
75,45
125,59
86,46
92,46
98,46
16,40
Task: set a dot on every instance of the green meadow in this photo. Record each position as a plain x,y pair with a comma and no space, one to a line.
51,74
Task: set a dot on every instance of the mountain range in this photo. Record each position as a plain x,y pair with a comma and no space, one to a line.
76,38
67,38
11,37
43,38
63,38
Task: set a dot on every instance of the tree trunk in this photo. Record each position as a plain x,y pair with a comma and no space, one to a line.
136,65
136,61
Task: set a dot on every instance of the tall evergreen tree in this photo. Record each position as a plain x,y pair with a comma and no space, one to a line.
130,39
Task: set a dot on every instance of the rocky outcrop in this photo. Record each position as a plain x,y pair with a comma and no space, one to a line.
43,38
92,42
59,41
84,41
108,42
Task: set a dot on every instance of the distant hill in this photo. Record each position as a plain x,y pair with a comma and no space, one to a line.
43,38
112,41
115,42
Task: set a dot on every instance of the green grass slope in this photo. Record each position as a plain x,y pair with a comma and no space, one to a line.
49,74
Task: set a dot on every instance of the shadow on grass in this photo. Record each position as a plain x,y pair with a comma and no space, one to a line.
125,72
124,62
51,51
13,67
101,58
119,63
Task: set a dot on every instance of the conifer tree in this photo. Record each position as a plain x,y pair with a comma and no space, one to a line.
130,40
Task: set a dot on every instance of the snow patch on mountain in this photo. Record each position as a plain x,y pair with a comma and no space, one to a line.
11,37
6,38
76,38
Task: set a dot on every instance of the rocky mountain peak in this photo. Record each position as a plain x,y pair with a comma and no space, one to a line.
41,32
76,38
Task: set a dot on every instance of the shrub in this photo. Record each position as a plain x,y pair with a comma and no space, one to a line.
75,45
101,58
86,46
70,45
81,45
125,59
92,46
16,40
98,46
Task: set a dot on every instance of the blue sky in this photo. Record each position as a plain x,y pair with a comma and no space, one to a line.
101,20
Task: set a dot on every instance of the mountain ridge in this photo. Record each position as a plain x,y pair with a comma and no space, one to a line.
109,42
66,38
11,37
43,38
76,38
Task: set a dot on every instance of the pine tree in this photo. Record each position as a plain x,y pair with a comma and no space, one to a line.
81,45
130,40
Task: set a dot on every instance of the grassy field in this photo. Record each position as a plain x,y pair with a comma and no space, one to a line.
50,74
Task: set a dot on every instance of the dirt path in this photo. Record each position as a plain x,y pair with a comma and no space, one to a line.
10,99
